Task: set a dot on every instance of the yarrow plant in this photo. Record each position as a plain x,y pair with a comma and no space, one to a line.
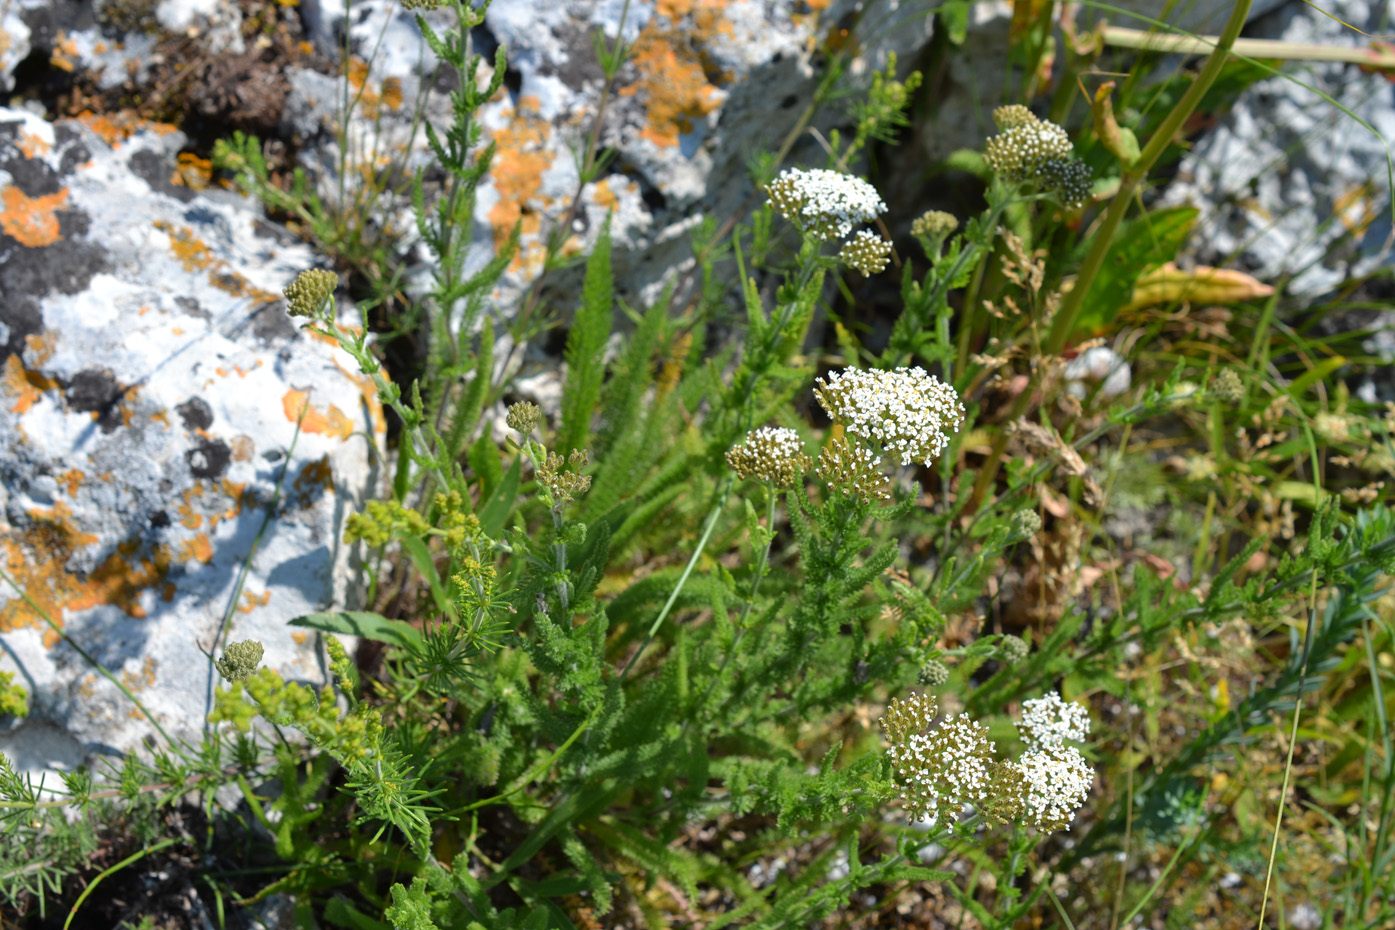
825,205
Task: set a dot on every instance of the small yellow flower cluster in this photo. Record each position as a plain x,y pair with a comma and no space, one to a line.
14,700
771,454
381,518
355,737
306,295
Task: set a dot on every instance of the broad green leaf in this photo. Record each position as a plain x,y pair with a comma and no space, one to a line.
496,508
362,623
1141,245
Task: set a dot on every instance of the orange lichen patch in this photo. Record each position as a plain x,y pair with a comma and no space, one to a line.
300,638
40,347
313,479
191,252
177,331
605,197
197,549
73,479
369,390
162,416
243,448
30,221
520,159
331,422
24,385
192,172
241,372
392,93
142,679
32,144
234,491
253,601
671,77
115,128
36,556
64,54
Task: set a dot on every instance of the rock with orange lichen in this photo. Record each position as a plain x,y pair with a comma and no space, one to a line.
153,395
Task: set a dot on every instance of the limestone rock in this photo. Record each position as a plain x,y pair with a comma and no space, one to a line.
160,418
1288,181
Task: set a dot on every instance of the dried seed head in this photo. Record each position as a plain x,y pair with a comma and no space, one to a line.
524,417
771,454
909,414
854,470
825,204
867,252
306,295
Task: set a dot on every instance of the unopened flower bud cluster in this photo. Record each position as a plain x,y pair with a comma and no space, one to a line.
942,769
827,205
771,454
306,295
1032,149
934,224
854,470
907,413
564,486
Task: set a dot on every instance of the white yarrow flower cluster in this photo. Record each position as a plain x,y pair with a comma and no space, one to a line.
824,203
908,413
1058,777
771,453
942,769
1051,720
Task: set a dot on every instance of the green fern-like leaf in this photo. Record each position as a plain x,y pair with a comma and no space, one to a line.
586,347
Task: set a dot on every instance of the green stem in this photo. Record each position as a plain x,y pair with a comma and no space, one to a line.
1064,324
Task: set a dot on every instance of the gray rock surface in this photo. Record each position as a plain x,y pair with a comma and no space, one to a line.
1287,181
150,390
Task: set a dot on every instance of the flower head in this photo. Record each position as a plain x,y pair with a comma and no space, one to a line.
939,770
1036,150
853,469
772,454
1049,721
867,252
822,203
240,660
909,413
1057,780
934,224
306,295
1227,387
524,417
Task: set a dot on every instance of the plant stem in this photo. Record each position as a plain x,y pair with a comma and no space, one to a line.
1129,184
